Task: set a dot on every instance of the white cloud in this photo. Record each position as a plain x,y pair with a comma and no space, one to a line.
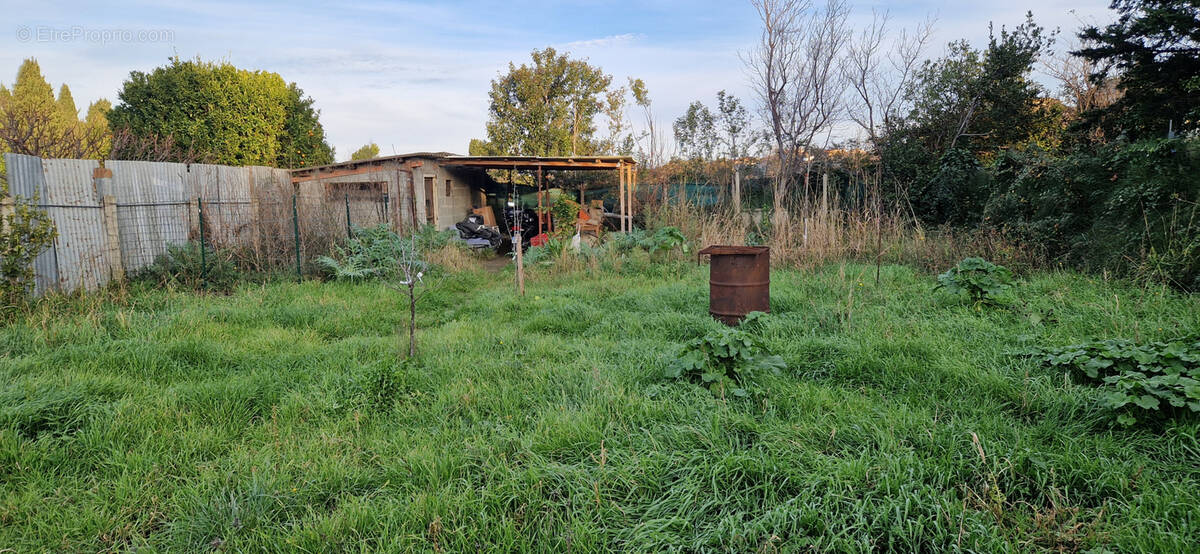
415,76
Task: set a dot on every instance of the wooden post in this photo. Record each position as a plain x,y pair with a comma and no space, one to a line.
632,188
539,197
102,179
7,209
518,236
824,195
255,222
194,220
112,235
737,190
621,192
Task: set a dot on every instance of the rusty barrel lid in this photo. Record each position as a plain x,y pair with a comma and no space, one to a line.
730,250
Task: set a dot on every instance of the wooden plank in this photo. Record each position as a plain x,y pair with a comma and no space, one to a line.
112,235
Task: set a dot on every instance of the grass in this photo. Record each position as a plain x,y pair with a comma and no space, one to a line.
278,418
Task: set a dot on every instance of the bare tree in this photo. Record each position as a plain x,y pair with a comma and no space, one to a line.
41,133
796,73
152,148
877,76
1076,86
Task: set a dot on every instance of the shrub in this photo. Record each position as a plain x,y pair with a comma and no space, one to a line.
726,360
1139,380
25,232
184,265
984,283
664,239
545,254
566,213
371,252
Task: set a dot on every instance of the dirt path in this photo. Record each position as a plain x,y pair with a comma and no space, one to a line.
496,264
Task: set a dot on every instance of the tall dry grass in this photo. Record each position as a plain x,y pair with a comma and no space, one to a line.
811,236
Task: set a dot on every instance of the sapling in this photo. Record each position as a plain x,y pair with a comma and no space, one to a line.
409,274
379,253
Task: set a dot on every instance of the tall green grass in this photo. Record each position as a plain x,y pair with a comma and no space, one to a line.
280,418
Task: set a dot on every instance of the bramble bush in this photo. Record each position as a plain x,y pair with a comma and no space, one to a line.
183,265
985,283
728,360
1140,381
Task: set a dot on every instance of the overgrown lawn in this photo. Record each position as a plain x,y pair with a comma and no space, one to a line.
279,418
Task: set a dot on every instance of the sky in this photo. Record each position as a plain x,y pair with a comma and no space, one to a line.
414,76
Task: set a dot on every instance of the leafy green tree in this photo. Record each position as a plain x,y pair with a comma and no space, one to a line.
982,99
34,122
1154,50
227,115
733,121
302,143
967,107
546,108
696,133
367,152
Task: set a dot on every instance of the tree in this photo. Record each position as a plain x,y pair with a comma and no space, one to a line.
650,142
982,100
733,121
33,122
367,152
546,108
302,143
878,78
795,71
966,108
225,114
696,133
620,141
1154,50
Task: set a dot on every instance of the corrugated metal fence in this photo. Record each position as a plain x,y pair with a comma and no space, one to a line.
119,223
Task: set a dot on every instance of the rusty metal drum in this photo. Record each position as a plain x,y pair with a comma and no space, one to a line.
739,281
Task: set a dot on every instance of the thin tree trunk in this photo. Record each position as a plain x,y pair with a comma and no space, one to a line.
412,321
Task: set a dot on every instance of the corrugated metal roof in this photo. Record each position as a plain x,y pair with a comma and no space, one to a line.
356,163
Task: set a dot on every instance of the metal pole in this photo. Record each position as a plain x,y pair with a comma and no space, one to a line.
348,232
519,238
296,237
203,260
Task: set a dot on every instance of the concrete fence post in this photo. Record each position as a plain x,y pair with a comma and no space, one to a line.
194,219
255,222
112,230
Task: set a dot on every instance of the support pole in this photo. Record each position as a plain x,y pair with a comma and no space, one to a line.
255,219
518,238
621,192
296,237
102,178
632,187
737,190
203,259
539,188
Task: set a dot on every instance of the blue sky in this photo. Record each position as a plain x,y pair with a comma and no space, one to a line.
414,75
